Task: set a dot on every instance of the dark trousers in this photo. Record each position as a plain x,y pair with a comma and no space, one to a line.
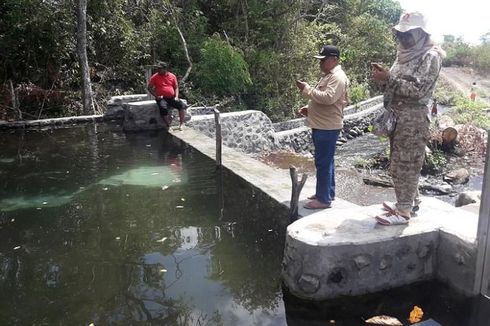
325,142
169,102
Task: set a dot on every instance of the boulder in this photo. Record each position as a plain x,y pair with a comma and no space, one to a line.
466,198
458,176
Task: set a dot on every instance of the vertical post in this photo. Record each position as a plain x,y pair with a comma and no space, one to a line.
296,191
219,141
482,277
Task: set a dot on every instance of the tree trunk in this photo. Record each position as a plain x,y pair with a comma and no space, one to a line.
88,107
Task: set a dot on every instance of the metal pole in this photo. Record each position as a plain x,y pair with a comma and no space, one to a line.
219,141
482,277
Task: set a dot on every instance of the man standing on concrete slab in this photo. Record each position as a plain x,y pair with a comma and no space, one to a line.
164,87
324,114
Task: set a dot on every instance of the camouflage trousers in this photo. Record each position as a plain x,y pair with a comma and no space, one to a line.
407,154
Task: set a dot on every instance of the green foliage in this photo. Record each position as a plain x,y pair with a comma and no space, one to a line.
480,57
222,70
445,94
264,47
434,163
358,92
470,112
463,54
457,51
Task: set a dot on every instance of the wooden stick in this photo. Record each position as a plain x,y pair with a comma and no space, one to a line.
296,191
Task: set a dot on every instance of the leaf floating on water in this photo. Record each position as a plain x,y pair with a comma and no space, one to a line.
384,320
415,315
162,239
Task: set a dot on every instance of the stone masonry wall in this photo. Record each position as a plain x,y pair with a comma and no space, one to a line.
249,131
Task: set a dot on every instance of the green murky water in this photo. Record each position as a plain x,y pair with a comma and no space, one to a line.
98,226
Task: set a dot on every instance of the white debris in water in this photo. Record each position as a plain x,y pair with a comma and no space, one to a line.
118,238
148,145
179,206
162,239
18,247
183,199
155,173
163,270
38,208
105,188
12,220
164,187
45,202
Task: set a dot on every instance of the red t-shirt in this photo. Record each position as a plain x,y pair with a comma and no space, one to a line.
165,84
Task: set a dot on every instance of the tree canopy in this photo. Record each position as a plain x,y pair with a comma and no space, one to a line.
249,51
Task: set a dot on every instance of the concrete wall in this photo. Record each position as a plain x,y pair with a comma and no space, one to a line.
456,262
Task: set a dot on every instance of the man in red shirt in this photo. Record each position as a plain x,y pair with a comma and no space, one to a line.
164,87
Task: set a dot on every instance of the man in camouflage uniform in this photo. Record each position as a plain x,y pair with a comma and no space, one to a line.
409,85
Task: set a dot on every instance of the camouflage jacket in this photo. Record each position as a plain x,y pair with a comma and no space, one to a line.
413,83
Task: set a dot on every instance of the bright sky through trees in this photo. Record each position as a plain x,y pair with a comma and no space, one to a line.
469,18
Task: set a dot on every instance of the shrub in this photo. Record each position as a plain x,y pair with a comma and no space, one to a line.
222,70
470,112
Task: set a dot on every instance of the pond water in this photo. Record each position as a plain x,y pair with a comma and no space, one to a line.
102,227
98,226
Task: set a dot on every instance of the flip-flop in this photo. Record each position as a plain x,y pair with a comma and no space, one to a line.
391,219
390,207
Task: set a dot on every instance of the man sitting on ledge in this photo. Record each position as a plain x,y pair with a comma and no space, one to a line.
164,87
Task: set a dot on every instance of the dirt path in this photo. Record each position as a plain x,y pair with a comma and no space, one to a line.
463,78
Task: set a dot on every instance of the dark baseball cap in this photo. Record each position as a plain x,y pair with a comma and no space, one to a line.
328,51
162,65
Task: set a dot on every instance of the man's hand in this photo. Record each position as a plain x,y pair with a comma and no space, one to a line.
303,111
301,84
380,75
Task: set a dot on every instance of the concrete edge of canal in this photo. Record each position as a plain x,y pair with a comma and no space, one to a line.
342,251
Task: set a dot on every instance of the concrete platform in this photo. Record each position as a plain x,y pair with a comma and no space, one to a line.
343,251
